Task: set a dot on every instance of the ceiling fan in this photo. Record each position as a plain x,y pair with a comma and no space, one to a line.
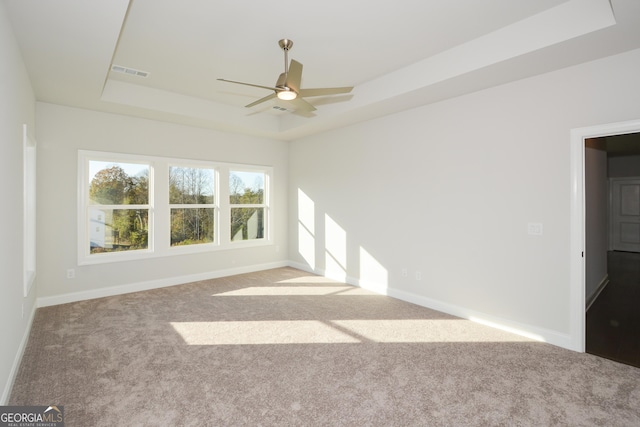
287,88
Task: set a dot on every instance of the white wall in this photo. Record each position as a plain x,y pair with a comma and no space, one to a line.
62,131
447,190
17,106
596,218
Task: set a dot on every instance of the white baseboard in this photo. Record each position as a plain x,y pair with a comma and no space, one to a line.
305,267
4,400
603,284
528,331
525,330
152,284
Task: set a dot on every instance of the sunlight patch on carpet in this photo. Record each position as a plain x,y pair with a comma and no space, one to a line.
425,331
286,290
260,332
339,331
309,279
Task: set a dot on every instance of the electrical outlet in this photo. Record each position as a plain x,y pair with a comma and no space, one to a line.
71,273
404,272
418,275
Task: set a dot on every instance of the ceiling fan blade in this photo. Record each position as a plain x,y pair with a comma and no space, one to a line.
301,104
261,100
294,77
248,84
325,91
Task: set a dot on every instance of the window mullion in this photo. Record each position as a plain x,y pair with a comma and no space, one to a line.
193,206
116,207
162,217
224,230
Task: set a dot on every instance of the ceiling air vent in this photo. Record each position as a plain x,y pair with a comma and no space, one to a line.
129,71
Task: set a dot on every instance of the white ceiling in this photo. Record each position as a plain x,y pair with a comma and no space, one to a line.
398,54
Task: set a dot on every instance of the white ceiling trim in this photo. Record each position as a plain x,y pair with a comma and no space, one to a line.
559,23
68,47
513,41
198,109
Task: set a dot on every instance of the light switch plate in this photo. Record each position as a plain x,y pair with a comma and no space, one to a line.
534,228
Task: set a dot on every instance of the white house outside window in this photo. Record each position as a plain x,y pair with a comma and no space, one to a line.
247,198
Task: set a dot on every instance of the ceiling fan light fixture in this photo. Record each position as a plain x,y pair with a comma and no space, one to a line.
287,94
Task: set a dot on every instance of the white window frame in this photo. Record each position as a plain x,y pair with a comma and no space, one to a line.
160,209
215,206
265,204
84,219
29,168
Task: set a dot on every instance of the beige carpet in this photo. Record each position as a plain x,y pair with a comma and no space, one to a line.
283,348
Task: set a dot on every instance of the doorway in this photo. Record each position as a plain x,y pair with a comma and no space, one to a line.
612,246
577,225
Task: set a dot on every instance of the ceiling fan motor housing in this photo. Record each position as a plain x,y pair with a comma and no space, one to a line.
282,80
283,91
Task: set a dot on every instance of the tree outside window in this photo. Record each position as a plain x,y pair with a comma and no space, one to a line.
191,202
118,207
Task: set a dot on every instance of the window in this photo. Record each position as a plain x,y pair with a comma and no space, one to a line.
247,204
118,206
133,206
191,200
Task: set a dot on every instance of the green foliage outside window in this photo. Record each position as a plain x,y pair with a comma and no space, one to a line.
119,229
112,186
190,226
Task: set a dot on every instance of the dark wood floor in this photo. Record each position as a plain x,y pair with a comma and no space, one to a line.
613,321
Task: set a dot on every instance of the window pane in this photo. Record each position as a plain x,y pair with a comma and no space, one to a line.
191,226
246,188
190,186
114,230
118,183
247,223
